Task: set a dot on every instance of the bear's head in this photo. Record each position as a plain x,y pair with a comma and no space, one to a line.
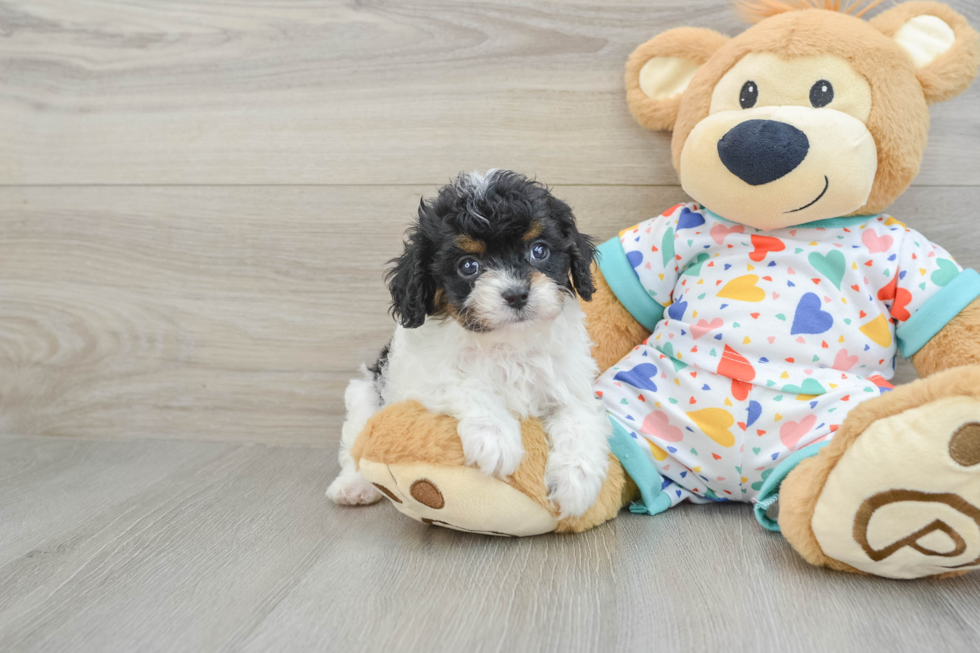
811,113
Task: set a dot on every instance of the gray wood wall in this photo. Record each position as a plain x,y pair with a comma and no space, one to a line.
197,201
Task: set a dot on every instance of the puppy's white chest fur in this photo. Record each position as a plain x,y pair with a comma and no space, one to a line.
533,370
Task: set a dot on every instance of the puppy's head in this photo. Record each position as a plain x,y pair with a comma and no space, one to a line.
491,251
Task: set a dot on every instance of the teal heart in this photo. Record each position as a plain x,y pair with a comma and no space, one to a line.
809,387
947,270
756,450
815,359
780,316
830,265
922,286
694,451
694,269
847,320
770,383
667,246
668,350
702,295
758,484
738,469
736,325
623,401
778,398
672,400
798,250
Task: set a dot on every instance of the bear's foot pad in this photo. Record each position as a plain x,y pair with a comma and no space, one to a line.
460,498
904,500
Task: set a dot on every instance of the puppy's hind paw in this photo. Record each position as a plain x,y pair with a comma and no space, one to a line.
352,490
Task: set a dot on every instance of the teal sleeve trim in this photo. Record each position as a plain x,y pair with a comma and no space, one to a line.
937,312
626,285
770,488
653,500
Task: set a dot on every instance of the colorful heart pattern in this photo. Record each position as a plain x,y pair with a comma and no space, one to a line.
771,338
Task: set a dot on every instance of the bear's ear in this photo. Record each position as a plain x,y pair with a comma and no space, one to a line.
659,70
943,47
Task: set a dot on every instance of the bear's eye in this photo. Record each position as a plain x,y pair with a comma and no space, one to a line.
821,94
749,95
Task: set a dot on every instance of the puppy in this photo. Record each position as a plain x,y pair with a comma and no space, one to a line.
491,332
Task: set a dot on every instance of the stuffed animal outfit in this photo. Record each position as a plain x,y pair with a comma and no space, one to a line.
748,337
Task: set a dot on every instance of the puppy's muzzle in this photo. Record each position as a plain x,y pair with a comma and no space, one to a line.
516,297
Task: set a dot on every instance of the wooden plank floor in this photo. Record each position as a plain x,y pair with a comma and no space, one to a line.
201,546
196,203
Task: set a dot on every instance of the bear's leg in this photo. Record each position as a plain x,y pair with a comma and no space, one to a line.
896,493
415,458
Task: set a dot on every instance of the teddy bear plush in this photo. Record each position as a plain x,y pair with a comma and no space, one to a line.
748,337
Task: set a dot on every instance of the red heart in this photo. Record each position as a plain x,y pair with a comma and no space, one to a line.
856,287
902,299
764,245
716,456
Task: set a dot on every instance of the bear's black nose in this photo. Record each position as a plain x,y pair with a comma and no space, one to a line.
760,151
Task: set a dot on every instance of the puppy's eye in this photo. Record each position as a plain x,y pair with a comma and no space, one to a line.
821,94
749,95
540,252
468,267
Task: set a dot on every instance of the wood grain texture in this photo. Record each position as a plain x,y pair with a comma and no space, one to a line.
330,92
180,546
239,313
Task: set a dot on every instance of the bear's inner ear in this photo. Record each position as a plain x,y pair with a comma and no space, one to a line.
924,38
659,71
943,47
664,77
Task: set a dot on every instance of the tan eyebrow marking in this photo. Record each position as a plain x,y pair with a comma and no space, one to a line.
470,245
533,232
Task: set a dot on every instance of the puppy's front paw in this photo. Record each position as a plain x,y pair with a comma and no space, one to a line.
573,482
351,489
492,448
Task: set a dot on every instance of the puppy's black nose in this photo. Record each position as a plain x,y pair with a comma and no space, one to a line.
516,298
760,151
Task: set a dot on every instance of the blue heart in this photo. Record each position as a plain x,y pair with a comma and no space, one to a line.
635,258
772,263
671,449
718,337
676,310
809,318
689,219
640,376
683,474
755,409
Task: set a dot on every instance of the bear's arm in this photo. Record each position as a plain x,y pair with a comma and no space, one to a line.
614,332
958,343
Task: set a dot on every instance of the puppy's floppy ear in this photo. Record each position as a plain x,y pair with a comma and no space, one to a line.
581,252
659,71
943,47
410,279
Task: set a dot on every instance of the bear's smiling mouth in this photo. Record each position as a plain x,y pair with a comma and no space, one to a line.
826,185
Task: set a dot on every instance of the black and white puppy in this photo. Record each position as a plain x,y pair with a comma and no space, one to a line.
490,332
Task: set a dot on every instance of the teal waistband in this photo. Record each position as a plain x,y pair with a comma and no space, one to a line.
624,283
770,488
937,312
638,465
